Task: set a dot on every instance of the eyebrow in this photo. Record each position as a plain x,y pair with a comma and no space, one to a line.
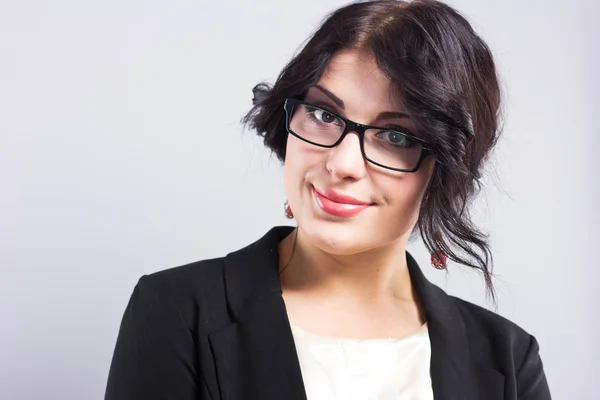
340,103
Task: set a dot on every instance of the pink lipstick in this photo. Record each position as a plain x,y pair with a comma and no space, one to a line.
339,205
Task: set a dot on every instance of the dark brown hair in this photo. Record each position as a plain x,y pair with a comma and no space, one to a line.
444,73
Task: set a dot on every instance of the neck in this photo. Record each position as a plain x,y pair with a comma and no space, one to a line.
373,275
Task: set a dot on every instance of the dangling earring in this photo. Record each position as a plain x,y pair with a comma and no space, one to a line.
438,257
439,260
288,210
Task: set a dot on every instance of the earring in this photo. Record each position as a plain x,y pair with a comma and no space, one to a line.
438,257
288,210
439,260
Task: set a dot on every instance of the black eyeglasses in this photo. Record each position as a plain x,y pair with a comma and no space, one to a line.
389,148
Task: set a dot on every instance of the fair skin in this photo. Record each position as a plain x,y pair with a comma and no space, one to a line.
348,276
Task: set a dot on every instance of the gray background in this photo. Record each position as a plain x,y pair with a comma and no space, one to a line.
121,154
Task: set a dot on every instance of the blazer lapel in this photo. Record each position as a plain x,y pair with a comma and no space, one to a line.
255,356
455,374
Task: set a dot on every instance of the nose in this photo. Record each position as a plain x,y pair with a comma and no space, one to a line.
346,161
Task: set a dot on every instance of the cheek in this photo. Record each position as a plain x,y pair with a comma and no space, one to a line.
301,160
292,167
403,194
294,173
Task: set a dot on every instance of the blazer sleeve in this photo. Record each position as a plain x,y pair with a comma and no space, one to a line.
154,354
531,380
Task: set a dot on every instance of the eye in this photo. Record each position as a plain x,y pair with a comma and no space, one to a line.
394,138
322,115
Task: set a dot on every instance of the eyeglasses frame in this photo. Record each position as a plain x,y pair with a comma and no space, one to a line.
351,126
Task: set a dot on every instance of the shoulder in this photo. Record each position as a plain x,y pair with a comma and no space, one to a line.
508,348
481,320
203,292
186,279
494,337
194,291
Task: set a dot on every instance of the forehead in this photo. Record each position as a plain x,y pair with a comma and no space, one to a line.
354,77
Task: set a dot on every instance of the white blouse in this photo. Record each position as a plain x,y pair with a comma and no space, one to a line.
365,369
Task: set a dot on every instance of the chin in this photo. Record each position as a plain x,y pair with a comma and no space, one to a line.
338,239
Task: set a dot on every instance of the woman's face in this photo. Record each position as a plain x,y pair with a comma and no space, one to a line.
317,178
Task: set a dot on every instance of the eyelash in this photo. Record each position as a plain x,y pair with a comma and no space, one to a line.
328,108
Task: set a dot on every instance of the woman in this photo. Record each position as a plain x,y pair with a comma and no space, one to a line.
383,122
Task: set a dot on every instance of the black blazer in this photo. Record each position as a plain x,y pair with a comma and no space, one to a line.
218,329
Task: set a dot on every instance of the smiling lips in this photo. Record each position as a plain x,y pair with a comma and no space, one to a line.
339,205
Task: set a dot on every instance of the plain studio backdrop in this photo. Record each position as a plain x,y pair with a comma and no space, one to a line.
121,154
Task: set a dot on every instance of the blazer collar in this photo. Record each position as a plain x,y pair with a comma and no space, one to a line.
257,350
455,373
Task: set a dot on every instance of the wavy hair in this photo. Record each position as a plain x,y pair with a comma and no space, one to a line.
444,73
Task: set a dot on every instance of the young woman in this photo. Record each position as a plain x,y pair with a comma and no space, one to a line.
383,122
